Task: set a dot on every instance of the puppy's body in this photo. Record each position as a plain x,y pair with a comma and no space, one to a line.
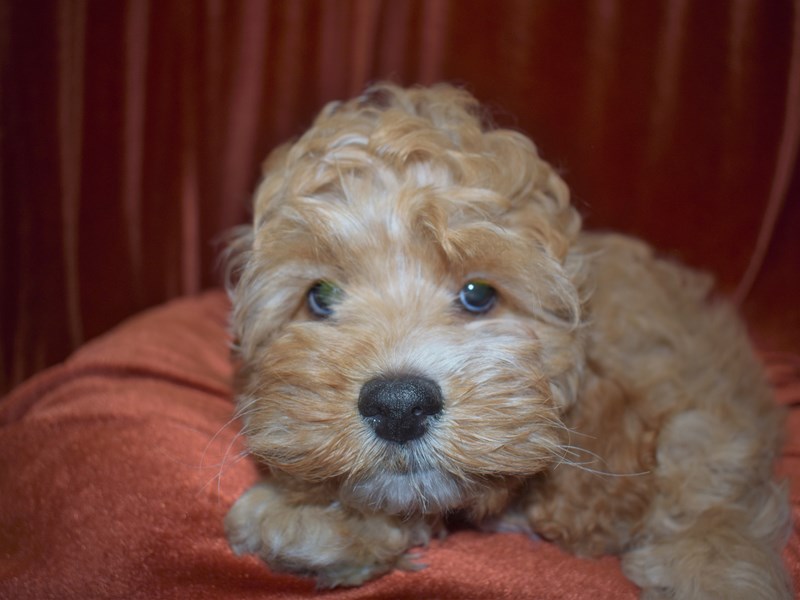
423,328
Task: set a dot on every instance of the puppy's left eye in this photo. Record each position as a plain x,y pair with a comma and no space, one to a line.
477,296
321,298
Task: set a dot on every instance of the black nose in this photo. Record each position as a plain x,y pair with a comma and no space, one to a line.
397,408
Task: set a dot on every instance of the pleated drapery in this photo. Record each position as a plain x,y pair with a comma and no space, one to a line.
132,133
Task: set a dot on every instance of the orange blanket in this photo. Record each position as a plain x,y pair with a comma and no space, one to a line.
118,466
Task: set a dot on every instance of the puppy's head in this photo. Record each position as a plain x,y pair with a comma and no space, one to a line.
407,304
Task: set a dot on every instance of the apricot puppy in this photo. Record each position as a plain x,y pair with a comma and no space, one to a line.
423,328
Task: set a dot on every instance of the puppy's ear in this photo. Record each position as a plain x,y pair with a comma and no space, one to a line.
268,190
551,201
238,244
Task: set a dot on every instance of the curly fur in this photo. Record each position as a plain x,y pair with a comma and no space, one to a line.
606,396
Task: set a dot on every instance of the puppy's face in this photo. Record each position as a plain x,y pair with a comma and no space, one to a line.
407,305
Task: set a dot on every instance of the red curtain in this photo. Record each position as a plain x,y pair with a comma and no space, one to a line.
132,133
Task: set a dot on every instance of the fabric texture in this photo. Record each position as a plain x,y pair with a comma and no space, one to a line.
118,466
132,133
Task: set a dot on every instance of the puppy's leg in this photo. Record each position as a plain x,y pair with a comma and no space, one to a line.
714,559
335,544
718,522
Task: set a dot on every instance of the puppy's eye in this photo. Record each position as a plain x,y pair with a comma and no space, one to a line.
321,298
477,296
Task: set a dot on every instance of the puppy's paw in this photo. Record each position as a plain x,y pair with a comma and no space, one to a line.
338,546
243,522
348,575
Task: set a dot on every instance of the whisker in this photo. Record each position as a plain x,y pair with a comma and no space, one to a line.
214,437
564,450
603,473
226,463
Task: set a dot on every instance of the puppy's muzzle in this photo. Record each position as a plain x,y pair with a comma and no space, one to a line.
399,408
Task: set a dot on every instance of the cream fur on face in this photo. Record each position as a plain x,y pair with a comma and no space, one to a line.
522,366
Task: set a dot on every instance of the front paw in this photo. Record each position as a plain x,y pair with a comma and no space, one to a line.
338,546
243,522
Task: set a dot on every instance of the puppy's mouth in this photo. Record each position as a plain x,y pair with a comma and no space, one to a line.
414,491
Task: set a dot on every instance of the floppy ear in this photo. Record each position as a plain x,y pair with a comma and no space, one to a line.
270,190
548,213
239,240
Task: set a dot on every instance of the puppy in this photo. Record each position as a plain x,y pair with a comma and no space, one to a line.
423,328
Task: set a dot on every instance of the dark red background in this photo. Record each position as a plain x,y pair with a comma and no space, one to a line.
131,133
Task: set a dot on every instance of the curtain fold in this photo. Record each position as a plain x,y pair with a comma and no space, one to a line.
132,131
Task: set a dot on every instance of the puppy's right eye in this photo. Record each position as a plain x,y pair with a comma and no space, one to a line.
321,298
477,297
